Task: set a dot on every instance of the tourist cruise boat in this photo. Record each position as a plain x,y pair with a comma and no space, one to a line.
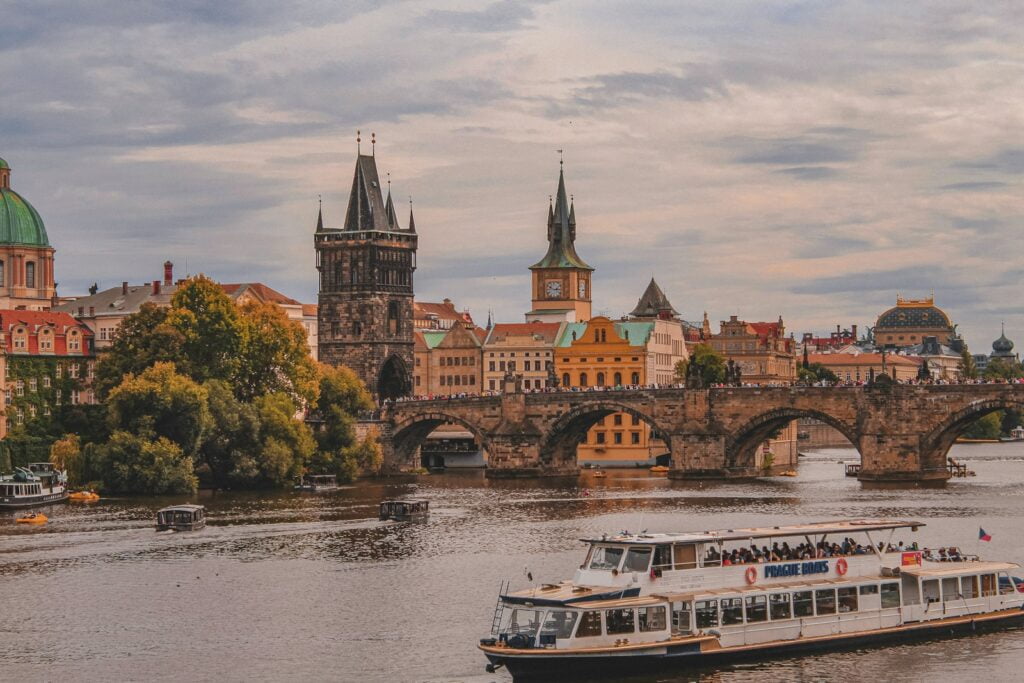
38,484
669,602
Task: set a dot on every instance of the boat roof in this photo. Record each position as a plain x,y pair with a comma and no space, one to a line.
957,568
407,500
190,507
566,593
844,526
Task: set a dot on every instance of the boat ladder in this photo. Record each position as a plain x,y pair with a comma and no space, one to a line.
499,608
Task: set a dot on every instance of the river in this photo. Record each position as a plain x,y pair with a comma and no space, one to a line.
285,586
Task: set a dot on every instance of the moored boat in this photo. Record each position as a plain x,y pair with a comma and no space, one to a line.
34,518
84,496
670,602
38,484
186,517
317,482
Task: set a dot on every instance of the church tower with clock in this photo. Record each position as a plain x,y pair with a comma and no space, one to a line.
561,280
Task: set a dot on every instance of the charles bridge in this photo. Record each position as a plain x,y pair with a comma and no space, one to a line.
902,432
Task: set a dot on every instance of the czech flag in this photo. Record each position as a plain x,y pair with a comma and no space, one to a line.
982,536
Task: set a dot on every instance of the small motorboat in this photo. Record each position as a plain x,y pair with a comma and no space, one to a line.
34,518
659,469
84,496
404,510
600,474
181,518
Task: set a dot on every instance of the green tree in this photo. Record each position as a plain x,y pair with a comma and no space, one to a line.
284,445
968,368
710,362
274,355
142,340
234,433
133,464
66,454
208,321
342,397
816,372
986,427
998,368
159,402
1010,420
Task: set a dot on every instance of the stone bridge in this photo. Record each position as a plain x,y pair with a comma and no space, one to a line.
902,432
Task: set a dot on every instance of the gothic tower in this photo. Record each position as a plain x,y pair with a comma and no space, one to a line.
366,287
561,280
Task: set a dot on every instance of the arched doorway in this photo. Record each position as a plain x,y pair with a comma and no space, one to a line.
394,380
604,434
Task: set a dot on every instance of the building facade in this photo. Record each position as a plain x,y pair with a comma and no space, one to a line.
48,362
910,321
448,362
429,315
365,303
26,257
561,281
861,367
523,349
761,350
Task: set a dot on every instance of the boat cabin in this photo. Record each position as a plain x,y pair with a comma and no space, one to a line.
181,518
404,510
317,482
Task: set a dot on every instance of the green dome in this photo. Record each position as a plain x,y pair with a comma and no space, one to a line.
3,164
19,221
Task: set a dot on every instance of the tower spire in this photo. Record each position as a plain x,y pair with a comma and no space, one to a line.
359,140
412,221
320,214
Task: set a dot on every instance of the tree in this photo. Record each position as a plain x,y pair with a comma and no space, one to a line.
342,397
998,368
66,454
136,464
710,362
142,340
968,368
209,323
234,433
159,402
274,355
816,372
986,427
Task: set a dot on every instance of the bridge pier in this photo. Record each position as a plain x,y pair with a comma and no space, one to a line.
702,456
897,458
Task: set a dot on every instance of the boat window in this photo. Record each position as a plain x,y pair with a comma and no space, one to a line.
637,560
757,608
930,590
681,617
732,611
988,585
559,623
1005,585
780,607
619,621
605,557
969,586
663,557
869,589
590,625
651,618
847,599
707,613
803,604
686,556
525,621
890,595
825,601
950,588
712,557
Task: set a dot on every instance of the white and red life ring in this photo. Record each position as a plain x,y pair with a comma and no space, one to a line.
841,566
751,574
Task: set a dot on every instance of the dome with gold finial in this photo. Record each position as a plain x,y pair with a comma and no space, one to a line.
20,223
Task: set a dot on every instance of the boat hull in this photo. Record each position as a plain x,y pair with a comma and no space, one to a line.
33,501
689,656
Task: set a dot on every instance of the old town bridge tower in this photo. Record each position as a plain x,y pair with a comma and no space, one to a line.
366,287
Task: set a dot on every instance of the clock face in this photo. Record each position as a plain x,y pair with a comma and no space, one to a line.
583,289
553,289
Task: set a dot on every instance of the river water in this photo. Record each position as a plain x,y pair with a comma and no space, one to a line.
285,586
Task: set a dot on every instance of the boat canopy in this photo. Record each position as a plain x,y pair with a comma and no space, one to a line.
187,507
957,568
567,593
846,526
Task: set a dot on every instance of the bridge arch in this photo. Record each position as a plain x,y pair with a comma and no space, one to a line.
408,435
741,446
936,443
565,434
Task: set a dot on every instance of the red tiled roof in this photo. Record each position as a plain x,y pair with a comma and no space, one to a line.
259,291
765,329
309,309
548,331
418,342
34,322
443,311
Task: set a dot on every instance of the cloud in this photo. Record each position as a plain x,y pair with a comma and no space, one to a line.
506,15
809,172
974,186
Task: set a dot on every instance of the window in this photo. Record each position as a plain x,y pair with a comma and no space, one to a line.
618,621
637,560
662,557
583,379
59,371
20,387
490,365
1,273
525,621
565,379
599,437
617,420
890,595
848,599
1005,585
618,378
604,557
30,274
969,586
803,605
871,589
394,323
600,381
757,609
685,556
634,438
590,625
681,617
7,396
618,437
778,605
707,613
559,623
74,344
651,618
635,378
732,611
825,601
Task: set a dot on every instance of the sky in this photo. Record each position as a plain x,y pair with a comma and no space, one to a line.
804,159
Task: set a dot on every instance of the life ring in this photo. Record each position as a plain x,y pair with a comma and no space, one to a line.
751,574
841,566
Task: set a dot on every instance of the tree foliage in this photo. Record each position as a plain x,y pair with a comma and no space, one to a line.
986,427
144,339
968,368
710,362
129,463
816,372
998,368
209,323
342,397
274,356
66,454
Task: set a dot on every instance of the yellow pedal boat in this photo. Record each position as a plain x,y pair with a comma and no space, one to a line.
84,496
659,469
34,518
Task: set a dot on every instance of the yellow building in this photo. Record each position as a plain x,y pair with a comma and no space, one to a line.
524,349
861,367
447,362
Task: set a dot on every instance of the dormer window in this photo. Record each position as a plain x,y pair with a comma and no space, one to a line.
46,339
20,339
74,341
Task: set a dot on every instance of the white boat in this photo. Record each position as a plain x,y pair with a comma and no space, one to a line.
38,484
185,517
317,482
672,602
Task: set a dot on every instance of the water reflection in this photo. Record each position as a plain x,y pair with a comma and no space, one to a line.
300,586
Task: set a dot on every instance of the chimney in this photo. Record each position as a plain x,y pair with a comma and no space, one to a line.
838,331
168,273
124,287
156,287
81,311
92,311
853,329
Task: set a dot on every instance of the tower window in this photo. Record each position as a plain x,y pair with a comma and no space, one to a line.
30,274
394,323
